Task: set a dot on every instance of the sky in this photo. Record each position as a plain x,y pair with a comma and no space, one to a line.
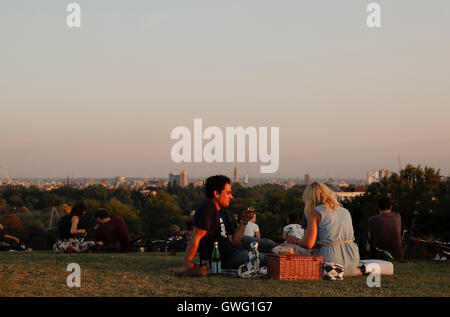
102,100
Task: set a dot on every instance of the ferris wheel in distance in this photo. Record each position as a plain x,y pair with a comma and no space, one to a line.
5,172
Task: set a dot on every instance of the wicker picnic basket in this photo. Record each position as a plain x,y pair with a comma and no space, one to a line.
294,267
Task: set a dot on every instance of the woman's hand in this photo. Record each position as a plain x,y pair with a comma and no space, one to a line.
291,239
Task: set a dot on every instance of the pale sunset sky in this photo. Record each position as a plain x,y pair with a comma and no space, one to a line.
101,100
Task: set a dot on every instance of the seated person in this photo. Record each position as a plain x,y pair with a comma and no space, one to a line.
330,225
252,229
175,230
111,232
175,235
293,227
385,230
188,231
212,224
71,238
9,242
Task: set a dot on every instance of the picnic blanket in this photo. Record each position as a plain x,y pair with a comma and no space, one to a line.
261,273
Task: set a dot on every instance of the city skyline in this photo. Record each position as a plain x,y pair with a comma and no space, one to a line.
102,100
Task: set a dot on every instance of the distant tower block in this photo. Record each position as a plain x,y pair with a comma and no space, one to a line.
184,178
236,174
307,179
5,172
174,179
383,174
372,177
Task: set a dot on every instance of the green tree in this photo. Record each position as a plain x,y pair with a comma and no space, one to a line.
159,213
116,208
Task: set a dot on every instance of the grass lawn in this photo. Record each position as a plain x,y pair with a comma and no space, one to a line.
42,273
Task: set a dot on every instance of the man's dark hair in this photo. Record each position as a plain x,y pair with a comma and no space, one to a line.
78,209
215,183
101,213
385,202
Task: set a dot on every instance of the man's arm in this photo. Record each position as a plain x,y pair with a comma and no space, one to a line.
236,238
16,240
237,235
197,235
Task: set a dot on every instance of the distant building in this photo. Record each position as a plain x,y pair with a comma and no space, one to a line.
343,184
184,178
377,176
348,195
246,178
372,177
307,179
174,179
120,180
198,183
236,175
383,174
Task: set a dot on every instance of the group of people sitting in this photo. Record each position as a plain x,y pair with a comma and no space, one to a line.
327,229
111,234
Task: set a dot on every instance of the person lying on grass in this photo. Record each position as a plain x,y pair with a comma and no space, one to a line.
211,223
7,241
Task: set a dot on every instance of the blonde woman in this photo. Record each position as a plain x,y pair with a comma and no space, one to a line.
331,225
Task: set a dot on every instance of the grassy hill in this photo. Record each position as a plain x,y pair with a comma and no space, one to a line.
143,274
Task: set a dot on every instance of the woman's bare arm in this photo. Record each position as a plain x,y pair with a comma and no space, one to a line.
309,239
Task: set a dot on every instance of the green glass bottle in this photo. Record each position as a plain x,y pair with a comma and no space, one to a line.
216,267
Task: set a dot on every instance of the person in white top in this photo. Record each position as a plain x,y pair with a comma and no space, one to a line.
252,229
294,227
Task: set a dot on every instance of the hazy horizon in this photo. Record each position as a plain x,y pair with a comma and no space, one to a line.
101,101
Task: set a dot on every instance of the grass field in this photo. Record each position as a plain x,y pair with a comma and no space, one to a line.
142,274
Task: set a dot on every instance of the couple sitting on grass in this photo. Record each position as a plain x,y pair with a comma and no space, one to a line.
111,234
328,223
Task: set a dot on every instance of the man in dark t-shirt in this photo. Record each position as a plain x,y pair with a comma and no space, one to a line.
385,229
218,228
112,231
211,224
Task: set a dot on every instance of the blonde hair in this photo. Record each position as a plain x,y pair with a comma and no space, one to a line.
319,194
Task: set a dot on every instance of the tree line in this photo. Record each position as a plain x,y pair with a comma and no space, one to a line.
417,192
